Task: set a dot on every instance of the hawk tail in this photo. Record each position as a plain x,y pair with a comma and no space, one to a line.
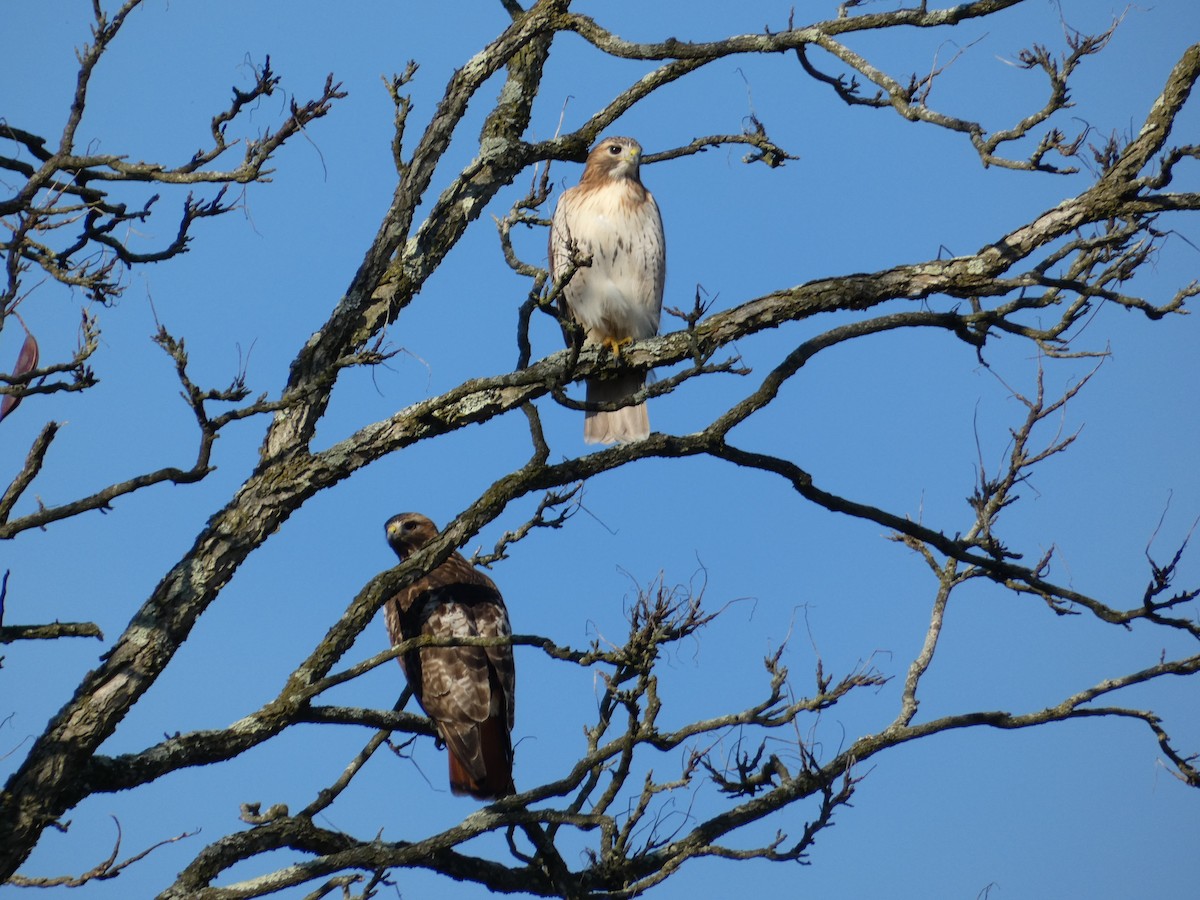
630,423
490,778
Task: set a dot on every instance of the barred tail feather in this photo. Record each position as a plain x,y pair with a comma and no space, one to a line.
490,775
630,423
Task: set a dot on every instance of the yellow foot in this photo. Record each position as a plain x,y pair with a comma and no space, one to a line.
615,345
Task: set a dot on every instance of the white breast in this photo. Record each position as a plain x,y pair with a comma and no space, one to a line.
620,294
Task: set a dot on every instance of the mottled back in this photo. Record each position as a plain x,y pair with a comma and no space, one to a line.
467,691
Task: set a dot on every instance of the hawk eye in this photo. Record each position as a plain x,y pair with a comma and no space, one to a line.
614,149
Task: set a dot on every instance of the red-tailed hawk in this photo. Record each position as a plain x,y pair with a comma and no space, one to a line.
611,217
467,691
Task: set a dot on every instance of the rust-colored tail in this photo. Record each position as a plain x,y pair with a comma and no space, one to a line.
622,425
491,776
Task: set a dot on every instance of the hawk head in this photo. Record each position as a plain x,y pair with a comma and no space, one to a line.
614,157
409,532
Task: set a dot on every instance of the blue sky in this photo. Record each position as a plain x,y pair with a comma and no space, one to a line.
899,421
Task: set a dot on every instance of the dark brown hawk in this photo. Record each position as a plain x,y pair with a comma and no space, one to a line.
467,691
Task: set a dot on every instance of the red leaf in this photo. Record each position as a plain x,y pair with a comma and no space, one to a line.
27,361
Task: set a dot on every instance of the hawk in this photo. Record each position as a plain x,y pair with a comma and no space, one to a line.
611,217
466,691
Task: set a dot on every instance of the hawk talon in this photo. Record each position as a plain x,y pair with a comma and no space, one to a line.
614,345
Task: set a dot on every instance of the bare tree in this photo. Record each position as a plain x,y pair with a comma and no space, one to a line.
1037,283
